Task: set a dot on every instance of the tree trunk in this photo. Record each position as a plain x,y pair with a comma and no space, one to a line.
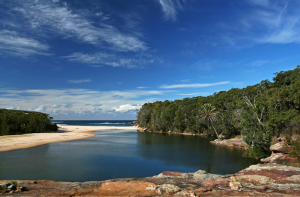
214,128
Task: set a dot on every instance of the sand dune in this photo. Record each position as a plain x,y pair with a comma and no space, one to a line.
65,133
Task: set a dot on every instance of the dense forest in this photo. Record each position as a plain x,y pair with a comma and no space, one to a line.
259,112
13,122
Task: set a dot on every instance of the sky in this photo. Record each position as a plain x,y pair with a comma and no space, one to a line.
103,59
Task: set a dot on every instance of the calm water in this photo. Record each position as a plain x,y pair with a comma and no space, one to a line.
119,154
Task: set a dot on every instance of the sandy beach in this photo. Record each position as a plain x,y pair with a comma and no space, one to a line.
64,133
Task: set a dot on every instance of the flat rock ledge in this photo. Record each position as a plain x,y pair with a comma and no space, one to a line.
256,180
237,142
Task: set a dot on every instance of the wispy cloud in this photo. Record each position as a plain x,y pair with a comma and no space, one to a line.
194,85
141,87
55,18
279,19
259,62
105,59
170,8
79,81
259,2
13,43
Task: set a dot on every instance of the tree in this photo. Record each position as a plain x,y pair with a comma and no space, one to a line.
209,113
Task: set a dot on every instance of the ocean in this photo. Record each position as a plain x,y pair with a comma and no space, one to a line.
115,123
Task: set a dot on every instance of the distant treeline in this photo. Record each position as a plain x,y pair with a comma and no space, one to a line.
259,112
13,122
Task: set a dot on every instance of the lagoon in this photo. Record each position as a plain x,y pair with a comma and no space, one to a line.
120,154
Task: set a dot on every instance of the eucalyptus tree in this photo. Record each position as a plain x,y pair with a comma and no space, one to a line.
209,113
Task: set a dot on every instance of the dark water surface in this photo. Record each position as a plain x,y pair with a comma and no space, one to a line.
120,154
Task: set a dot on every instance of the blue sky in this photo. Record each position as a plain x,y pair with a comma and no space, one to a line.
103,59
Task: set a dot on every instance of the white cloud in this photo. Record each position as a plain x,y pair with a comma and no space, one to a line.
170,8
105,59
127,107
141,87
80,81
195,85
55,18
41,108
14,108
13,43
55,106
280,21
72,102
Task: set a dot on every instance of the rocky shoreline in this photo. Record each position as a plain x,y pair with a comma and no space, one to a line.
256,180
139,129
234,143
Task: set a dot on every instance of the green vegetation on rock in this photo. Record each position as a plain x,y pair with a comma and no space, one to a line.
259,112
14,122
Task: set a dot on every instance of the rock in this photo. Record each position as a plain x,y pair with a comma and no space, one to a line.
186,193
279,147
12,187
234,184
151,187
273,158
256,180
3,187
167,189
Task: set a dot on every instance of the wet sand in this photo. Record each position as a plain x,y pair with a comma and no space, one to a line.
64,133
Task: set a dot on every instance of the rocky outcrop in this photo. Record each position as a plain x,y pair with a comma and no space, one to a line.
236,142
280,154
139,129
256,180
280,148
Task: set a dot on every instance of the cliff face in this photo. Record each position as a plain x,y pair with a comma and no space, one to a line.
261,179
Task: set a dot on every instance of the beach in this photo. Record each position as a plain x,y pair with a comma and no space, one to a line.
64,133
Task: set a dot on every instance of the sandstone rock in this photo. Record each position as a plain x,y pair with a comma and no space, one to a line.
234,184
273,158
252,181
167,189
256,180
186,193
151,187
294,178
279,147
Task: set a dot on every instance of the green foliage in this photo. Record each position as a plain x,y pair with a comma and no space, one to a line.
258,152
295,152
208,113
259,112
14,122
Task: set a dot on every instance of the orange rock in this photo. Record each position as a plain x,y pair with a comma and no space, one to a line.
125,188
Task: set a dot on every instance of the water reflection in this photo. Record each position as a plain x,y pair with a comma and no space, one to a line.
192,151
119,154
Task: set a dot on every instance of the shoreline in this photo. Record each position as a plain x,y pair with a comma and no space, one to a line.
236,142
256,180
64,133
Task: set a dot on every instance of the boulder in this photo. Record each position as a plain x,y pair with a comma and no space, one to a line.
279,148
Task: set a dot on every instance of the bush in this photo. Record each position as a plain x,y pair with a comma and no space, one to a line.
258,152
295,149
